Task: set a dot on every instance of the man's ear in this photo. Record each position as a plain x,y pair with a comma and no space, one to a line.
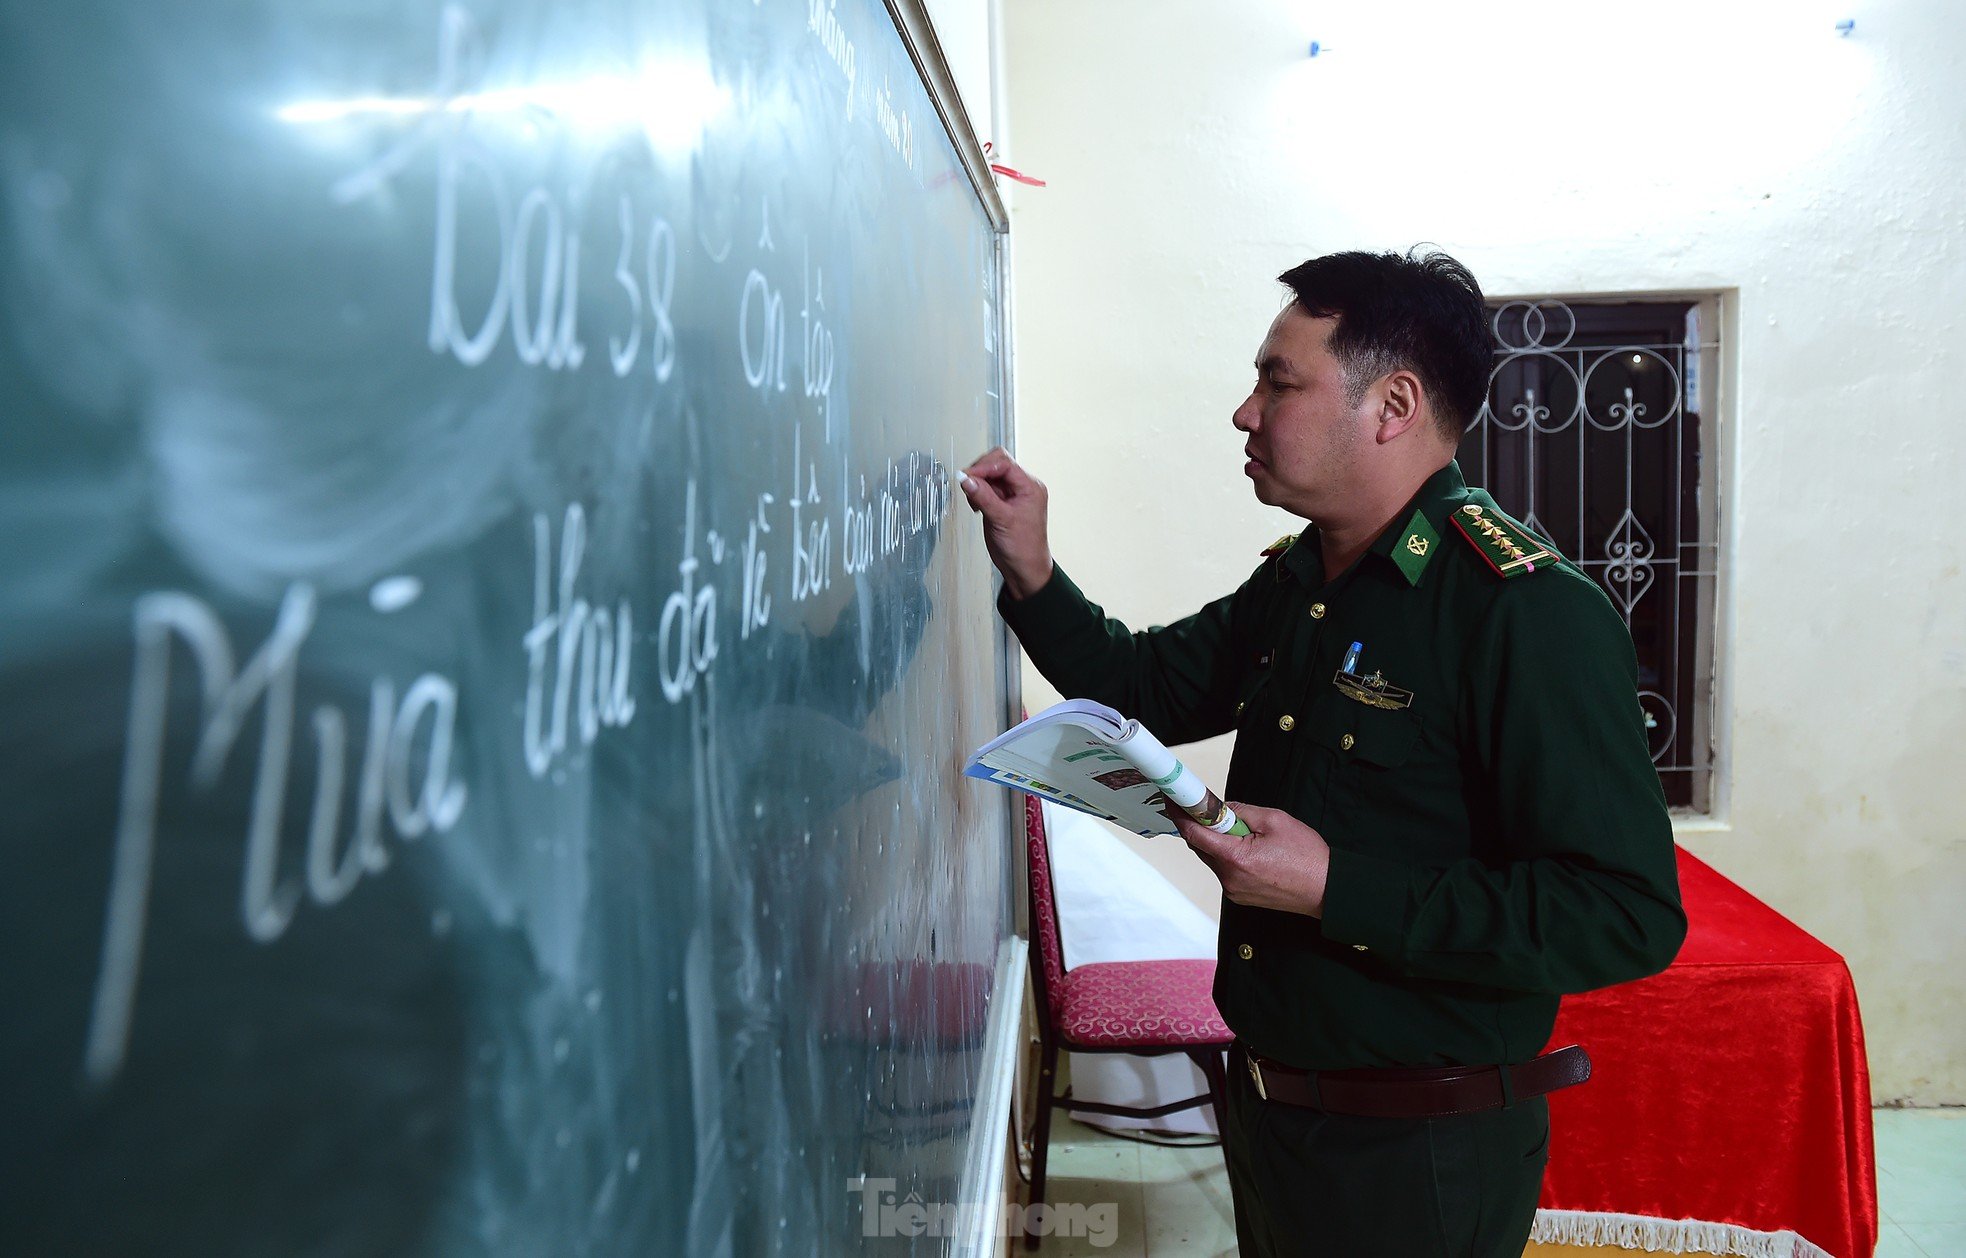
1403,404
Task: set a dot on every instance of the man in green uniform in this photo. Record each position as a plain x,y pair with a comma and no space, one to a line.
1442,760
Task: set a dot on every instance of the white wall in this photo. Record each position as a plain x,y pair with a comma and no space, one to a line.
966,29
1195,151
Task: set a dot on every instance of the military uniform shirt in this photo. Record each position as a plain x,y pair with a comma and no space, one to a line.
1498,833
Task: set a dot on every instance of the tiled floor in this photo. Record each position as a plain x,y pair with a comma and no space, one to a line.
1921,1183
1171,1200
1176,1201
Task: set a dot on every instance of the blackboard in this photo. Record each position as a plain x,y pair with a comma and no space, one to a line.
485,650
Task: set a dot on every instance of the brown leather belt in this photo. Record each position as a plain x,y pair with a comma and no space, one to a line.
1430,1093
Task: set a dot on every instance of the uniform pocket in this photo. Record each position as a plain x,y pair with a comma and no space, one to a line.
1356,731
1485,1185
1539,1151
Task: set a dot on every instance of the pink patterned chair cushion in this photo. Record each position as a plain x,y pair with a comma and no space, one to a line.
1140,1004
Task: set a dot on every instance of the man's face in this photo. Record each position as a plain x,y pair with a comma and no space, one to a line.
1303,441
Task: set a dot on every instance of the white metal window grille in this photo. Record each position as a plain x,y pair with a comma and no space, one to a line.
1597,435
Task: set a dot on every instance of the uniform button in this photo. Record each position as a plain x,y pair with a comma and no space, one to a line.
1240,707
1286,722
1245,952
1358,947
1346,742
1317,611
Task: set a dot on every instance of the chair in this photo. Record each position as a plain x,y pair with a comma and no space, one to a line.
1149,1008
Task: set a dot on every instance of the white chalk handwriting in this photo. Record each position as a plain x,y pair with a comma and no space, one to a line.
824,23
686,642
587,650
421,794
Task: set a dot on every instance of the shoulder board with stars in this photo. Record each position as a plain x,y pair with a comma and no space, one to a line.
1502,543
1280,545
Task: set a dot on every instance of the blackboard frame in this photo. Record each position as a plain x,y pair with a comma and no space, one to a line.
1002,1086
917,33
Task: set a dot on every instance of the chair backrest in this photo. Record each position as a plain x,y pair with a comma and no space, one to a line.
1049,973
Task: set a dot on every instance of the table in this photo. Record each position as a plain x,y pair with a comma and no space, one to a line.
1729,1106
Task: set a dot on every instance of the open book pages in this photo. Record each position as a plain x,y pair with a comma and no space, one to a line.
1084,755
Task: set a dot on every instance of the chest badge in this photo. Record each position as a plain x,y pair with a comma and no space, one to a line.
1373,690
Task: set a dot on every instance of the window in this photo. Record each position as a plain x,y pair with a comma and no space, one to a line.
1597,434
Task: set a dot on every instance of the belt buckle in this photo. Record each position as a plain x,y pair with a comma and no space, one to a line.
1256,1077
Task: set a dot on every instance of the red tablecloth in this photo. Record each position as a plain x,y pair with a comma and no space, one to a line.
1732,1088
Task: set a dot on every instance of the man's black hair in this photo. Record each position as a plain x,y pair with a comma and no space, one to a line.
1422,312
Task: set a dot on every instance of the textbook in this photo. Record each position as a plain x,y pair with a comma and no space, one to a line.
1085,755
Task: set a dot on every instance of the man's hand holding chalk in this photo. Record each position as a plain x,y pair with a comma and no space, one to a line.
1013,505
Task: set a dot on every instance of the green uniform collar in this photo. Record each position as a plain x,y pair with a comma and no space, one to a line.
1409,544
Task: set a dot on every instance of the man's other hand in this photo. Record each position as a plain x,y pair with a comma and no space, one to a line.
1280,864
1012,503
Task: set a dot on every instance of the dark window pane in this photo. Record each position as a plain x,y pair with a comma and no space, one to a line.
1589,438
